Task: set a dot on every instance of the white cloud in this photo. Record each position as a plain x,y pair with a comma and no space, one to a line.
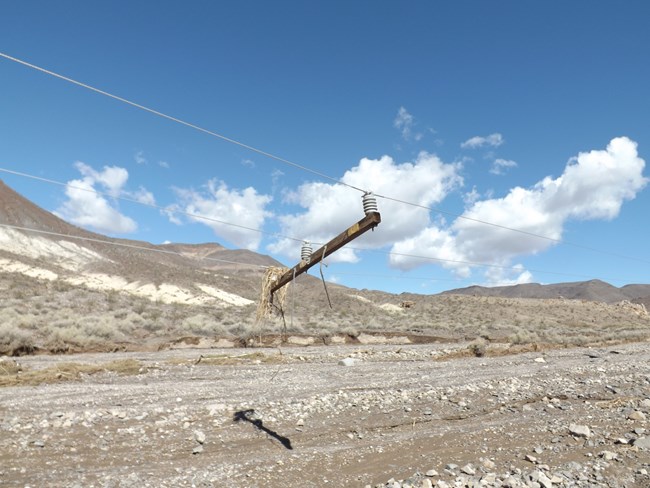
471,197
516,275
244,207
249,163
112,178
139,158
593,185
163,164
276,176
494,140
142,195
404,122
331,208
86,208
500,166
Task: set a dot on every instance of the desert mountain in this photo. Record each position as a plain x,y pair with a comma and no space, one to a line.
593,290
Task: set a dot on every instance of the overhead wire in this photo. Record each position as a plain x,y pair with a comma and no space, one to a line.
122,244
157,249
295,239
306,168
179,121
470,263
176,253
146,204
520,231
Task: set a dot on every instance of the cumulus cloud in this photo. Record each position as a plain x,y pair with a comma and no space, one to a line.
141,195
331,208
244,207
139,158
500,166
404,122
163,164
493,140
87,208
594,185
515,275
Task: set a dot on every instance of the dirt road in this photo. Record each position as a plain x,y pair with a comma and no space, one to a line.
300,418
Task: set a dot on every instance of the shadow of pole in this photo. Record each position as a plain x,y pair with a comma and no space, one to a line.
246,416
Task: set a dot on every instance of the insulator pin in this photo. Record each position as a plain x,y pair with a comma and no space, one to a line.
369,203
305,252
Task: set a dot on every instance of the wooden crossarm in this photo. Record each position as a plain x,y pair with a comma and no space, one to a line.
370,221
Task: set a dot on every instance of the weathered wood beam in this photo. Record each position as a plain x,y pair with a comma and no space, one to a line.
370,221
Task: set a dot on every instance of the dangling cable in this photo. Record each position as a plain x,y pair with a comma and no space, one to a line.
323,277
293,297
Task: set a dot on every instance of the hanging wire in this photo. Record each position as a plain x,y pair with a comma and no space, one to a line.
322,261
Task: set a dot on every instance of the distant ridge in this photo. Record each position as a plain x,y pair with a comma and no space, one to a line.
593,290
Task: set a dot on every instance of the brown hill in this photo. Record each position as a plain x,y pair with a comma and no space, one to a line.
593,290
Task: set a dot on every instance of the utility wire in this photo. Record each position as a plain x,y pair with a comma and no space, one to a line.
165,251
295,239
179,121
207,258
305,168
151,205
122,244
520,231
471,263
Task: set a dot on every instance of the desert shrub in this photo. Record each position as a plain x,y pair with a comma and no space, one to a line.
15,341
120,314
99,328
351,331
154,313
478,348
523,337
202,324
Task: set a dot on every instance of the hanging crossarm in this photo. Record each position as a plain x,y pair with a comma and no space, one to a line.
370,221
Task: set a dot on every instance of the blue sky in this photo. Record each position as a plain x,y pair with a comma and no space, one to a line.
530,115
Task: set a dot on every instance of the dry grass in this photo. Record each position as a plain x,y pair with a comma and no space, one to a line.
265,308
65,372
227,359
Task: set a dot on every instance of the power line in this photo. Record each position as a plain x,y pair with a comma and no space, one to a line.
179,121
295,239
122,244
151,205
207,258
399,277
471,263
520,231
305,168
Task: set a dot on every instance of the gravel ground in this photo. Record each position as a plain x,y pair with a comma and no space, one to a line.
393,416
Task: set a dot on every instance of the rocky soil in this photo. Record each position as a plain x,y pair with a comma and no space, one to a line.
372,415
